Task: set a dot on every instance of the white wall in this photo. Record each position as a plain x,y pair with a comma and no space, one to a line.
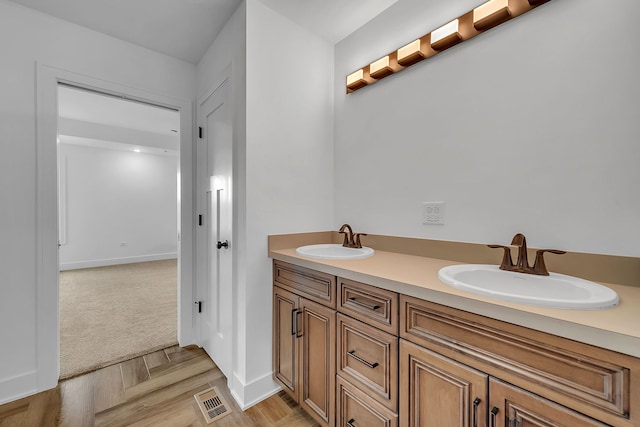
283,150
530,127
26,37
289,156
283,176
226,58
117,206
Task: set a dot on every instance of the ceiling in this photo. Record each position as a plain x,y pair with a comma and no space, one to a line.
333,20
185,29
105,121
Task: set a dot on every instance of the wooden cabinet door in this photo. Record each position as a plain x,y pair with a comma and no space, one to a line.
317,361
436,391
512,406
285,343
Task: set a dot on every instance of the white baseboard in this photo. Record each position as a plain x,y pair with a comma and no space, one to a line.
115,261
247,395
19,386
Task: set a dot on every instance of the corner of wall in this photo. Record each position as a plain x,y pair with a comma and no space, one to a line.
248,394
26,383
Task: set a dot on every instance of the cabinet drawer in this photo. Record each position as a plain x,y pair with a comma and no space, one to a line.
372,305
368,357
355,408
588,379
311,284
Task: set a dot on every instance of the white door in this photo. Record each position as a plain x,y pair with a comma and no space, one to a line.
215,245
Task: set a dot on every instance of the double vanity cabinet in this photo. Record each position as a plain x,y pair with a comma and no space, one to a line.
356,355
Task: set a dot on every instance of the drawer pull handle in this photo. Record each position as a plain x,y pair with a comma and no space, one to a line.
364,304
298,333
351,422
476,402
294,327
494,412
352,353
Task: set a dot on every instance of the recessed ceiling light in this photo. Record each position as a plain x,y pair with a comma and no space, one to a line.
137,150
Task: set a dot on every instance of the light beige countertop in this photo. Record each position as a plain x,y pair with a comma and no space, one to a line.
615,329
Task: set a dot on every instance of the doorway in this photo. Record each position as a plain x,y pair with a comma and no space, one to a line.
118,210
47,264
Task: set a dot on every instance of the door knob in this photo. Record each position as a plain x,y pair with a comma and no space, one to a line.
224,244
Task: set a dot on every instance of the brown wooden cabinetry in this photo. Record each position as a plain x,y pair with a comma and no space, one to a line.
368,358
355,408
357,355
304,345
533,378
285,343
374,306
439,392
512,406
367,355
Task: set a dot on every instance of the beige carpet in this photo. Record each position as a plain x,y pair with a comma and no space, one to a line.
115,313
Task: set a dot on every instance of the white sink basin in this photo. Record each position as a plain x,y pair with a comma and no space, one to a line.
331,251
555,290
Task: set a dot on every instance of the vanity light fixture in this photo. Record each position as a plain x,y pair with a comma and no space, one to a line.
410,54
356,80
466,26
446,36
380,68
490,14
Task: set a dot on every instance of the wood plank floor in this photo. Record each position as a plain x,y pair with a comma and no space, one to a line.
153,390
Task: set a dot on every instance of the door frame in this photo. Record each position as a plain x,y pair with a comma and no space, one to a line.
47,263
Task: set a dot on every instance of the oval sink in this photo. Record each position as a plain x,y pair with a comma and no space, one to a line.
555,290
333,251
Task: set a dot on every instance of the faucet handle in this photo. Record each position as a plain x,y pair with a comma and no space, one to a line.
507,262
539,267
356,240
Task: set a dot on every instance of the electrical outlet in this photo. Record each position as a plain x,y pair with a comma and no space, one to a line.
433,213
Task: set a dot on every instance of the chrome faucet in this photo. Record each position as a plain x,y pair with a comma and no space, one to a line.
522,264
351,240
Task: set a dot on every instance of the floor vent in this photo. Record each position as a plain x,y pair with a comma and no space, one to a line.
212,404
